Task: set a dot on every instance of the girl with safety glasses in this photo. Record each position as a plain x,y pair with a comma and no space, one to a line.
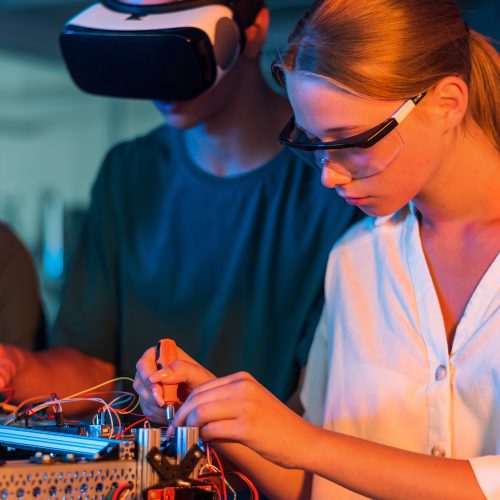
397,101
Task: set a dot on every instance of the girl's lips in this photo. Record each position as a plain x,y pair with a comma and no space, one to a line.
355,201
351,198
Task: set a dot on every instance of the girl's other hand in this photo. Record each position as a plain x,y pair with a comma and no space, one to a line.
149,381
238,409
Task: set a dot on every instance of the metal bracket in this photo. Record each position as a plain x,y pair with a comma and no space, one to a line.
172,475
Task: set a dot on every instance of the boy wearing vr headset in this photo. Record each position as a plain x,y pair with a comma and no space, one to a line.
205,230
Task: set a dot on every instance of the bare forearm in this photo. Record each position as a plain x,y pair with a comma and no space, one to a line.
274,481
378,471
64,371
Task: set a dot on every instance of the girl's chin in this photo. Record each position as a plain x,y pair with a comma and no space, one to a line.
380,209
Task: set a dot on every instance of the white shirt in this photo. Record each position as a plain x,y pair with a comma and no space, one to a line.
379,366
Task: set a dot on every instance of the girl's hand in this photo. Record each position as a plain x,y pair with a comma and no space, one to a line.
237,408
149,381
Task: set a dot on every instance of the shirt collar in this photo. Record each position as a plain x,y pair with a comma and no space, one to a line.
402,212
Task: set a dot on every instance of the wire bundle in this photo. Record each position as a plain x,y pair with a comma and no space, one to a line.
122,403
210,471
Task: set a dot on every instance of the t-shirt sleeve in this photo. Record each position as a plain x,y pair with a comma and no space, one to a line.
313,391
487,472
87,317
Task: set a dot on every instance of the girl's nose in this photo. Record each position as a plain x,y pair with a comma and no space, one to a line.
331,178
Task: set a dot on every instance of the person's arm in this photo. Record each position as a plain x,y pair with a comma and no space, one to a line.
87,319
238,409
274,481
379,471
63,371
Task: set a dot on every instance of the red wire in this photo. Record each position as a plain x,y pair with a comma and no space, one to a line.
212,482
217,459
132,425
39,417
120,490
219,495
137,414
248,482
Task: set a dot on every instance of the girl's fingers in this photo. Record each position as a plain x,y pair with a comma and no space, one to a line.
154,413
147,391
204,413
181,372
222,430
221,381
233,391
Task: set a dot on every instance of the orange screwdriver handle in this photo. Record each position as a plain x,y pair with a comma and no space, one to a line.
166,353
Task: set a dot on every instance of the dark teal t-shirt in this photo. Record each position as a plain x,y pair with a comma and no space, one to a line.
231,268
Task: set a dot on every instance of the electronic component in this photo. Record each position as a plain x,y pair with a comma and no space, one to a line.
60,480
99,431
66,466
44,456
60,443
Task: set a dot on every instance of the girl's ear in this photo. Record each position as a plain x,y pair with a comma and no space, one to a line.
450,98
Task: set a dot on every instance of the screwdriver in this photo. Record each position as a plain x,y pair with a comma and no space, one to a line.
166,353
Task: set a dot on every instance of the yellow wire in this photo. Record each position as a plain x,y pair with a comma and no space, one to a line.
136,405
99,385
116,379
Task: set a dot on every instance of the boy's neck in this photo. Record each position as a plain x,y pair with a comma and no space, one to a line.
243,135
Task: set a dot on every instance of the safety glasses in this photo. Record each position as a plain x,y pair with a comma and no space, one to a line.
358,156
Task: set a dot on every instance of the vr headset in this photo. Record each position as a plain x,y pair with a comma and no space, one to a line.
152,49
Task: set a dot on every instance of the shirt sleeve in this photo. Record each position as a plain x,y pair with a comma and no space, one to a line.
313,391
87,316
487,472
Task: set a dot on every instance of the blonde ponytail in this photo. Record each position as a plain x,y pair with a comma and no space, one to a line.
484,86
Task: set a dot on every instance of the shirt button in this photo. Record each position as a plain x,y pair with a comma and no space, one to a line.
437,451
440,372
